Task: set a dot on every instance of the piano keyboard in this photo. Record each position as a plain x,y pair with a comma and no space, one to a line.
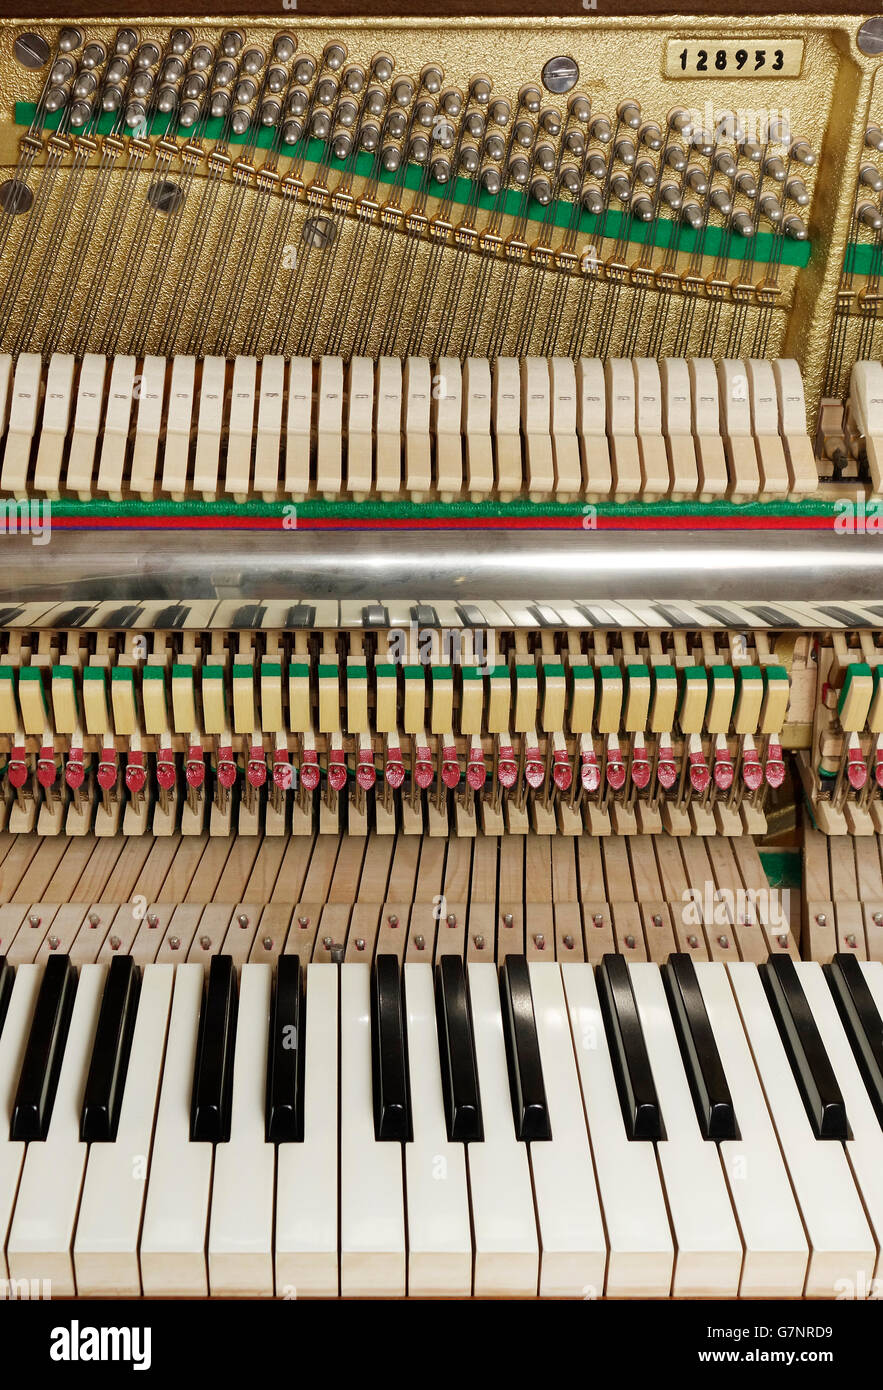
624,1129
546,429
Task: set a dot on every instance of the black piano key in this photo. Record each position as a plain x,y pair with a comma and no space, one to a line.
774,617
249,616
595,615
103,1096
38,1081
526,1082
459,1069
213,1075
841,615
674,616
628,1051
7,980
285,1055
470,615
123,618
809,1061
702,1063
389,1063
861,1022
174,616
375,615
424,615
545,616
75,616
301,616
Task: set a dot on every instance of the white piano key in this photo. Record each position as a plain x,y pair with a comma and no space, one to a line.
503,1221
776,1252
151,390
841,1244
179,1182
574,1250
439,1236
268,439
708,1257
13,1041
179,419
240,1239
55,421
87,423
306,1232
209,426
372,1213
23,408
241,427
42,1230
115,436
106,1243
641,1259
865,1149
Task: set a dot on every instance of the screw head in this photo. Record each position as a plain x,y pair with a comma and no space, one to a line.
630,942
34,920
303,921
152,919
870,36
692,942
419,942
507,919
326,942
31,50
560,74
115,943
242,919
393,920
821,919
597,919
174,942
94,919
878,919
53,943
540,942
724,941
267,943
479,943
568,942
657,920
451,920
205,942
360,943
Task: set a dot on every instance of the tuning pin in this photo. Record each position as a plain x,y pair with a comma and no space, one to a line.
136,772
640,763
423,770
46,769
394,771
775,763
507,771
366,773
476,772
256,768
75,770
615,764
752,772
723,765
336,769
855,764
699,774
107,769
194,769
309,771
589,772
666,768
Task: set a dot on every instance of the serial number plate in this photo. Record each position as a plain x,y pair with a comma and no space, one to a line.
734,58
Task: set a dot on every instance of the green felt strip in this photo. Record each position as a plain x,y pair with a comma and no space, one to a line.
347,510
